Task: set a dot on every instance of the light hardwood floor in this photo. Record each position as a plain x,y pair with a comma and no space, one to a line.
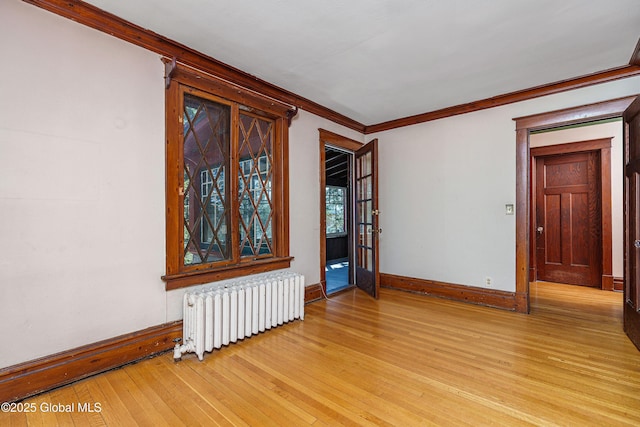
402,360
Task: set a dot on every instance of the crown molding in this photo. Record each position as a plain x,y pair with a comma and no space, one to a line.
93,17
509,98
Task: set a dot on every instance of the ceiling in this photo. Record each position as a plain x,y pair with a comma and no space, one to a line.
336,167
380,60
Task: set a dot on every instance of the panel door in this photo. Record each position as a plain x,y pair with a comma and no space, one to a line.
568,224
632,222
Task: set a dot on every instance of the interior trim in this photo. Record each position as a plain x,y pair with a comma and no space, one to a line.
469,294
339,141
103,21
330,138
91,16
618,283
510,98
27,379
313,293
524,125
36,376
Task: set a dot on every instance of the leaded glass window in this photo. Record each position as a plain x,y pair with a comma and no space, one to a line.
227,181
254,176
206,127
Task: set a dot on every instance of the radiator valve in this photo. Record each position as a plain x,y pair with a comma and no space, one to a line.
179,350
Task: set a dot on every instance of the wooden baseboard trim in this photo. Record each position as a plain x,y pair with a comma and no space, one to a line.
607,282
618,283
470,294
313,293
36,376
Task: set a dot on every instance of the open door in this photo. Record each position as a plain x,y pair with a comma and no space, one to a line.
367,228
632,213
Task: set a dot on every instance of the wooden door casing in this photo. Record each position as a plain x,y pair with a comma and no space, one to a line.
568,219
631,308
524,220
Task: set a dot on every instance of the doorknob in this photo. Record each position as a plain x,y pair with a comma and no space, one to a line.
637,244
540,230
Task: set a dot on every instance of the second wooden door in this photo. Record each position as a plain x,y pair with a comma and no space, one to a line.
568,223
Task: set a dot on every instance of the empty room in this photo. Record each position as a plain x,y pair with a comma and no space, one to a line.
389,212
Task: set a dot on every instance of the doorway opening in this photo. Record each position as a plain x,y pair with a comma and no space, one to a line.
338,219
524,127
351,211
337,236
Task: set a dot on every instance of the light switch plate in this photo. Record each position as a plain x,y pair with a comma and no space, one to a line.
509,209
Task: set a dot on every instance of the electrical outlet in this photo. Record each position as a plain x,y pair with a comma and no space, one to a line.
488,280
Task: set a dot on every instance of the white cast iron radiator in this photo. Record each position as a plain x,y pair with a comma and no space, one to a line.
231,310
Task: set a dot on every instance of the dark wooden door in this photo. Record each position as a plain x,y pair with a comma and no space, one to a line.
568,224
632,222
367,228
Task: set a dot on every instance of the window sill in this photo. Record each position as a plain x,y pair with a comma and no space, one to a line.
192,278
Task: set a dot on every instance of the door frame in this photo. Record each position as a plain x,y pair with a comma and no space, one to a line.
603,147
328,138
524,126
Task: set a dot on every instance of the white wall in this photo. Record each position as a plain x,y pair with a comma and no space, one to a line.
584,133
81,193
82,186
444,185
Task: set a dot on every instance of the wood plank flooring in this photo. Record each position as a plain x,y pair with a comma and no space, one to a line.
403,360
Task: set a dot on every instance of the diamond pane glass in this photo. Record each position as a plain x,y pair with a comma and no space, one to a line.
206,127
254,185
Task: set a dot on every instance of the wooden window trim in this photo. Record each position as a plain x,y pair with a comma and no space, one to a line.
181,79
